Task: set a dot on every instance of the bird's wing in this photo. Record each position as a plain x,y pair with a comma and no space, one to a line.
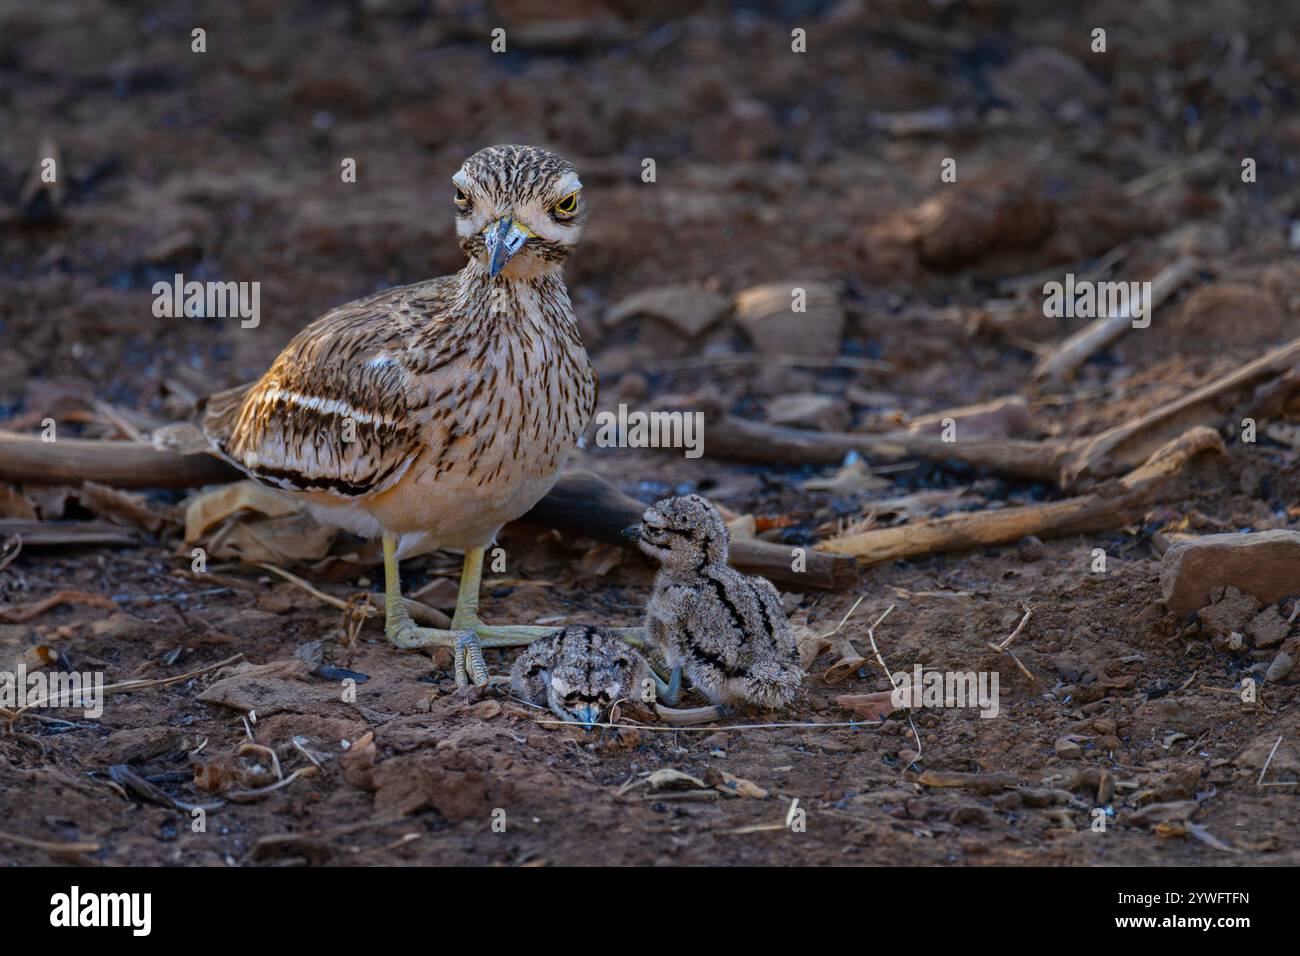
334,412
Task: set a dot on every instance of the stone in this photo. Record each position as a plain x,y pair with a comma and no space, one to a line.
1228,615
1048,78
1068,749
1280,667
687,310
1264,564
1269,628
766,315
141,744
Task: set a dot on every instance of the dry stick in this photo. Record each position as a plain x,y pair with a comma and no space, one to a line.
1004,646
248,796
739,439
579,500
47,845
1264,769
1107,508
871,636
1060,364
1131,442
420,613
130,686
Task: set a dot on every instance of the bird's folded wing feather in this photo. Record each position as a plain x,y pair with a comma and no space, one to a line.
332,414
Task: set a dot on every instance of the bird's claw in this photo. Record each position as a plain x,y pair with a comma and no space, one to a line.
469,661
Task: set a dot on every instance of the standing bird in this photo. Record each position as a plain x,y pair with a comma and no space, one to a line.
432,414
726,631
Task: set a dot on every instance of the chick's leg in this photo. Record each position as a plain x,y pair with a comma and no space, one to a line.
404,632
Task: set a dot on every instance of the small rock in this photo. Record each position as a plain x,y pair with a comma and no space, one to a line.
766,315
1005,802
1229,614
1030,549
1280,667
1269,628
1048,78
977,816
1067,749
140,744
1264,564
686,310
1154,813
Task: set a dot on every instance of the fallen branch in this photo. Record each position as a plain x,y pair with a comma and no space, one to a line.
121,464
579,500
63,534
740,439
1060,364
1107,508
1129,443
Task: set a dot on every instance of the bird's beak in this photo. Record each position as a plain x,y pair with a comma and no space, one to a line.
587,715
632,532
504,238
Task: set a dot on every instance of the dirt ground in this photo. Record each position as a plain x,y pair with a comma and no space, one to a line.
816,167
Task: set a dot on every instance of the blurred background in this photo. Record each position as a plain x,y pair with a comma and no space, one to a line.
769,165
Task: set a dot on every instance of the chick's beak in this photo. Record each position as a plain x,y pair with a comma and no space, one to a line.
587,716
504,238
632,532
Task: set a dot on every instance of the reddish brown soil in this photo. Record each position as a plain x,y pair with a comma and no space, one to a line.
767,167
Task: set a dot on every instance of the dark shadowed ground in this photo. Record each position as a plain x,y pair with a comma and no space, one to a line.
818,170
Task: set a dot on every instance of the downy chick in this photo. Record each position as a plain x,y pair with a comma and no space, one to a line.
726,631
579,672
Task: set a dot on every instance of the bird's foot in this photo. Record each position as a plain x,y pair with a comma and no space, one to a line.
467,652
668,692
469,661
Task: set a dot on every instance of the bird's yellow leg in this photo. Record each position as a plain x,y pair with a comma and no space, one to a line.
466,616
404,632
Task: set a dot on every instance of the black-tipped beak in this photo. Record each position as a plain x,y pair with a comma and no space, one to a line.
632,532
504,238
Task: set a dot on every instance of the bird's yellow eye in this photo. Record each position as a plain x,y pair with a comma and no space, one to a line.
568,206
461,198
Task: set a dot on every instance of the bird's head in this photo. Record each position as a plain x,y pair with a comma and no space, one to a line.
519,209
591,670
682,533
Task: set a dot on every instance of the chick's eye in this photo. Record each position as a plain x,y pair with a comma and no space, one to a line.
461,198
567,206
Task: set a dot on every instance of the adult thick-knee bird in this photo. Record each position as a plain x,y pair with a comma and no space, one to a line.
432,414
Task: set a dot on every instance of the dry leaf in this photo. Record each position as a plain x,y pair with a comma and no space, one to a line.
212,507
13,504
811,645
872,706
739,787
120,506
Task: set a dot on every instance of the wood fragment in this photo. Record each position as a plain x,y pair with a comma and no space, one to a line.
1133,441
67,534
1060,364
1103,510
739,439
579,500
